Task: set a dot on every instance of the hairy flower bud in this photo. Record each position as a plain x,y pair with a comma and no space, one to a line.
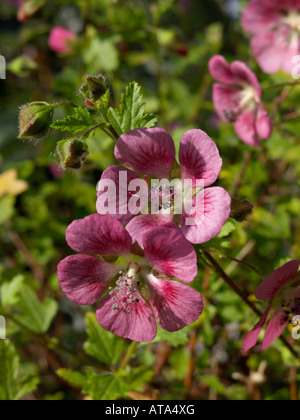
94,87
72,153
35,120
240,210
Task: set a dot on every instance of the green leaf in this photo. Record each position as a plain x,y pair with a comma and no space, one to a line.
27,384
101,344
214,383
7,209
104,387
132,111
80,122
98,387
175,339
228,228
137,377
101,55
76,379
12,387
9,291
35,315
22,66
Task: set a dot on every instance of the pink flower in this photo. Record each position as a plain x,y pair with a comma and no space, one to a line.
282,288
151,152
16,3
238,99
138,277
275,26
60,40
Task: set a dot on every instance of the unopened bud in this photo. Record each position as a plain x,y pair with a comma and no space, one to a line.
72,153
240,210
89,103
94,87
35,120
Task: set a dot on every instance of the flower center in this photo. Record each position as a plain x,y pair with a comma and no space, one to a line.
293,21
246,97
125,293
249,97
162,197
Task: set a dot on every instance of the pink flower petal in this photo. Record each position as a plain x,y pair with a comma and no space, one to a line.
270,50
251,339
150,151
113,173
246,76
245,128
174,304
139,325
83,278
238,73
227,101
170,253
199,157
263,124
260,16
221,71
276,325
98,235
141,225
60,38
275,282
292,51
205,225
284,5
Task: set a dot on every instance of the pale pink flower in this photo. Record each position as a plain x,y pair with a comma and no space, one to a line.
60,40
151,152
237,99
136,276
275,26
282,288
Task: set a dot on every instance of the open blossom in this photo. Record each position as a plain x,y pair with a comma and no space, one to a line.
151,152
60,40
237,99
275,26
136,276
282,288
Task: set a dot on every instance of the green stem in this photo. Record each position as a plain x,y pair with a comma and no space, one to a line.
130,352
87,133
281,85
231,284
64,103
238,182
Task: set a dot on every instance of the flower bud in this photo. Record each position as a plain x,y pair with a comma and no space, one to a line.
240,210
35,120
72,153
94,87
61,39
